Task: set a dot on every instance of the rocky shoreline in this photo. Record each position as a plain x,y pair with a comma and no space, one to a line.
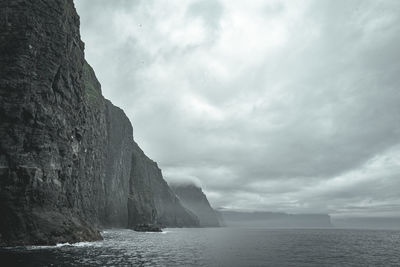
147,228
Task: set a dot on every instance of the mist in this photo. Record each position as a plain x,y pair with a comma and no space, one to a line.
284,106
200,133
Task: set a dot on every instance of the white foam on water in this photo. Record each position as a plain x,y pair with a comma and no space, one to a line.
62,244
86,244
58,245
38,247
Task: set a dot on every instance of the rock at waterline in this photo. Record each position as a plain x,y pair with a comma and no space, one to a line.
147,228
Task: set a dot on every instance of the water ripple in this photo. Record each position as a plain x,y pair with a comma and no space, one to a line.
219,247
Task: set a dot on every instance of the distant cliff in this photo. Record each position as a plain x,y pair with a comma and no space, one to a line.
193,198
68,163
384,223
275,219
151,199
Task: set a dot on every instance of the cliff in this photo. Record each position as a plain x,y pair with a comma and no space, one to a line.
151,199
275,219
193,198
381,223
68,163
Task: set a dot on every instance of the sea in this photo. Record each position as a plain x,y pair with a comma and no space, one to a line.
219,247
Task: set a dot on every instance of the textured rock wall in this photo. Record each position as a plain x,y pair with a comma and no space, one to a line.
66,153
151,199
50,165
118,163
193,198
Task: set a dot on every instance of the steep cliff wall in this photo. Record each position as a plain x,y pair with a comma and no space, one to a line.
66,153
151,198
51,150
134,189
193,198
118,164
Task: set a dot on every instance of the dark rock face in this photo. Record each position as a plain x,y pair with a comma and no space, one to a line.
147,228
47,156
193,198
67,155
118,164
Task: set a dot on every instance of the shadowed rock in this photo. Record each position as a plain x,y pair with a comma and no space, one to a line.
68,162
147,228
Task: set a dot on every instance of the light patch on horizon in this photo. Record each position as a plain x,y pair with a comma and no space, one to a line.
268,105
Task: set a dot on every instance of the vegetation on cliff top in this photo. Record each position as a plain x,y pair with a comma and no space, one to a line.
93,95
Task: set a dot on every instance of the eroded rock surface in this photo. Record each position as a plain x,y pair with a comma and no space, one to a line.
68,162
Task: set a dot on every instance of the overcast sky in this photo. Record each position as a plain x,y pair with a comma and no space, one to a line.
269,105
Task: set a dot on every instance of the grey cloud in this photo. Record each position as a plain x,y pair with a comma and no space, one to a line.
259,125
209,11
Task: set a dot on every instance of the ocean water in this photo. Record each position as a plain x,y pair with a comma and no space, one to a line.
219,247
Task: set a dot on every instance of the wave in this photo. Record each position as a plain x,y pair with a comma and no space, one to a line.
59,245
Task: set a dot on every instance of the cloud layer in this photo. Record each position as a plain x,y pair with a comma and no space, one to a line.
270,105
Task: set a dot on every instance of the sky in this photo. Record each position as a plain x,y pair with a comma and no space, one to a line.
289,105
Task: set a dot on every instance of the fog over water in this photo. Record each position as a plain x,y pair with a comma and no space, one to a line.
289,106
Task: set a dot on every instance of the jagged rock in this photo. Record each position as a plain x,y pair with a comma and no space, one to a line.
51,153
147,228
68,162
193,198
